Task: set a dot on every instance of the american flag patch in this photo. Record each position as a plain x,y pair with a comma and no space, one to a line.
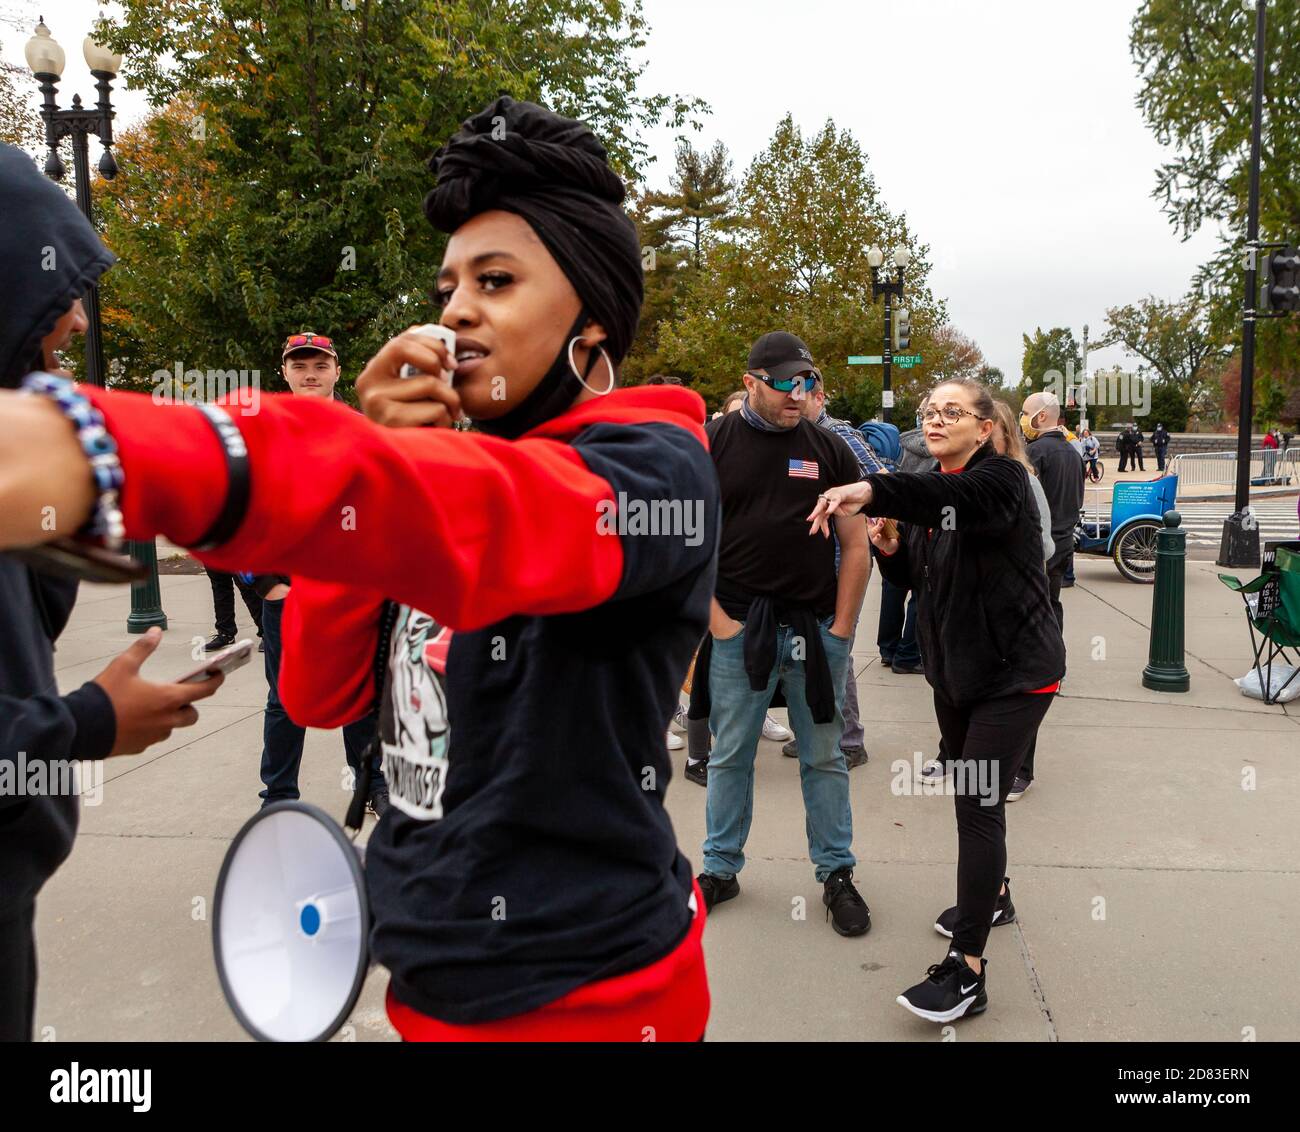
805,468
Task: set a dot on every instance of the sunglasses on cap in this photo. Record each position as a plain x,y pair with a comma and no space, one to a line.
808,381
301,341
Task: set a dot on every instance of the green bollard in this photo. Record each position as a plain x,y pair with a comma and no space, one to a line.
146,596
1165,670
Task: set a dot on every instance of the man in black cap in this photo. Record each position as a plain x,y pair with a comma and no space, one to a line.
780,613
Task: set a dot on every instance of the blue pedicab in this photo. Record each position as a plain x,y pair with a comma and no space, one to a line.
1136,516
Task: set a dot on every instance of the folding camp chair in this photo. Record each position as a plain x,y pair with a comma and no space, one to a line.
1273,613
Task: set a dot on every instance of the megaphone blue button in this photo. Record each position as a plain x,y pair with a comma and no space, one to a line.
309,919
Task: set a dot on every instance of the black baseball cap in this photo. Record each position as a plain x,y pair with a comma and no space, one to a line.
782,354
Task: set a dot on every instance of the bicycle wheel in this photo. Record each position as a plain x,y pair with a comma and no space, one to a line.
1101,472
1135,551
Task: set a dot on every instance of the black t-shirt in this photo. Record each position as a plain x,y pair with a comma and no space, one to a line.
770,482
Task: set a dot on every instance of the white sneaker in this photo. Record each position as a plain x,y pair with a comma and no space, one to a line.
679,718
675,742
774,731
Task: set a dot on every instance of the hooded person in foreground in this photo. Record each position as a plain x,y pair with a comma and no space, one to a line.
526,882
51,254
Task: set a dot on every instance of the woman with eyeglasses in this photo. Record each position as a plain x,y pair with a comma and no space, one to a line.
972,548
526,883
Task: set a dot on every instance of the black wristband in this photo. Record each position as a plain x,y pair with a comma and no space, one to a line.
239,482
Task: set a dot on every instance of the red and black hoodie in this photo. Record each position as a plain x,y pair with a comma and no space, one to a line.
528,853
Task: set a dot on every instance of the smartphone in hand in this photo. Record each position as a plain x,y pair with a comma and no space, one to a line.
225,662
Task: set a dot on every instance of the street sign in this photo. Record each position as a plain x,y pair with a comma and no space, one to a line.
903,361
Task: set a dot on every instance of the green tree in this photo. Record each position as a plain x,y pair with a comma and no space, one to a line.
806,211
20,125
697,202
311,124
676,227
1195,60
1168,404
1174,339
1046,351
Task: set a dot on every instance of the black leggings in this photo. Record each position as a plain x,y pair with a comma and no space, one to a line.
988,742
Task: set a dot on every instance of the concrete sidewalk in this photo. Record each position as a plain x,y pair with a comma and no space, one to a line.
1158,899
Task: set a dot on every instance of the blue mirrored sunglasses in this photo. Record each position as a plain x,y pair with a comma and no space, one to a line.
809,382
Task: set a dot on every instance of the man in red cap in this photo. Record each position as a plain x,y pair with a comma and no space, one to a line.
310,364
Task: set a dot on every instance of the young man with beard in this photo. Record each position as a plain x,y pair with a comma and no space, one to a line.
852,741
781,613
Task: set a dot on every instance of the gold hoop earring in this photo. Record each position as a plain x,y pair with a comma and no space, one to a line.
608,365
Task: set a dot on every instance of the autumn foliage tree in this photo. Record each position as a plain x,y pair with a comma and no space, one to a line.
794,259
279,185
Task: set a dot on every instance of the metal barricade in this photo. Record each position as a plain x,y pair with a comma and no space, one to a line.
1269,467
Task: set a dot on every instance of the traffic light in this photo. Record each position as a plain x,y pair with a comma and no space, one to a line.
902,330
1282,279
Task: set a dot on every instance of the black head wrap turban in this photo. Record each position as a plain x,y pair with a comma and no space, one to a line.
551,171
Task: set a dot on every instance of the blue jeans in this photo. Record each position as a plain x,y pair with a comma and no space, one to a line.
282,739
896,637
736,719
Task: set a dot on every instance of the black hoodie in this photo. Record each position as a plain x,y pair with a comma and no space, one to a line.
50,253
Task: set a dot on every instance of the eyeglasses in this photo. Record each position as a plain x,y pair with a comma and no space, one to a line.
294,341
951,413
809,382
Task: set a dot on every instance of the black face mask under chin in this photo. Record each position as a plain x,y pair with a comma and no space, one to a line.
552,395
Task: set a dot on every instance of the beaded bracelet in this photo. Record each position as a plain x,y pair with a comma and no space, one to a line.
106,525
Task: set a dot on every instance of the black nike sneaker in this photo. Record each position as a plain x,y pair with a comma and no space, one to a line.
717,889
950,990
845,908
697,772
218,642
1004,913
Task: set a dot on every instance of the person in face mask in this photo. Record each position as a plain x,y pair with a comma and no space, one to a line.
1060,472
51,254
526,881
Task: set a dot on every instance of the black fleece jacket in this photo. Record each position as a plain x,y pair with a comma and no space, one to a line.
50,253
972,553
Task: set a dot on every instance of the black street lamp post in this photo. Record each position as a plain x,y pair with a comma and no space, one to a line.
889,288
46,59
1239,545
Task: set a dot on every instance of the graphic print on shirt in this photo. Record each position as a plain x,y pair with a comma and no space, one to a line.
413,728
804,469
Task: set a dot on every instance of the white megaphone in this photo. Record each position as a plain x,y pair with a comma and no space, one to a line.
290,924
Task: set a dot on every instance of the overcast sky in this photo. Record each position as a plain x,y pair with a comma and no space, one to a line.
1006,130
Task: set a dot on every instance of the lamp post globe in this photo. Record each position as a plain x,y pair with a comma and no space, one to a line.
44,55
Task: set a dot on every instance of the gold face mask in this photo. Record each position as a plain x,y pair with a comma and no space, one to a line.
1028,429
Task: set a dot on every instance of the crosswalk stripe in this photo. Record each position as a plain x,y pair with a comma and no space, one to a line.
1203,521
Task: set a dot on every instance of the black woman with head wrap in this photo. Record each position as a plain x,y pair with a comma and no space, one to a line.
539,583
